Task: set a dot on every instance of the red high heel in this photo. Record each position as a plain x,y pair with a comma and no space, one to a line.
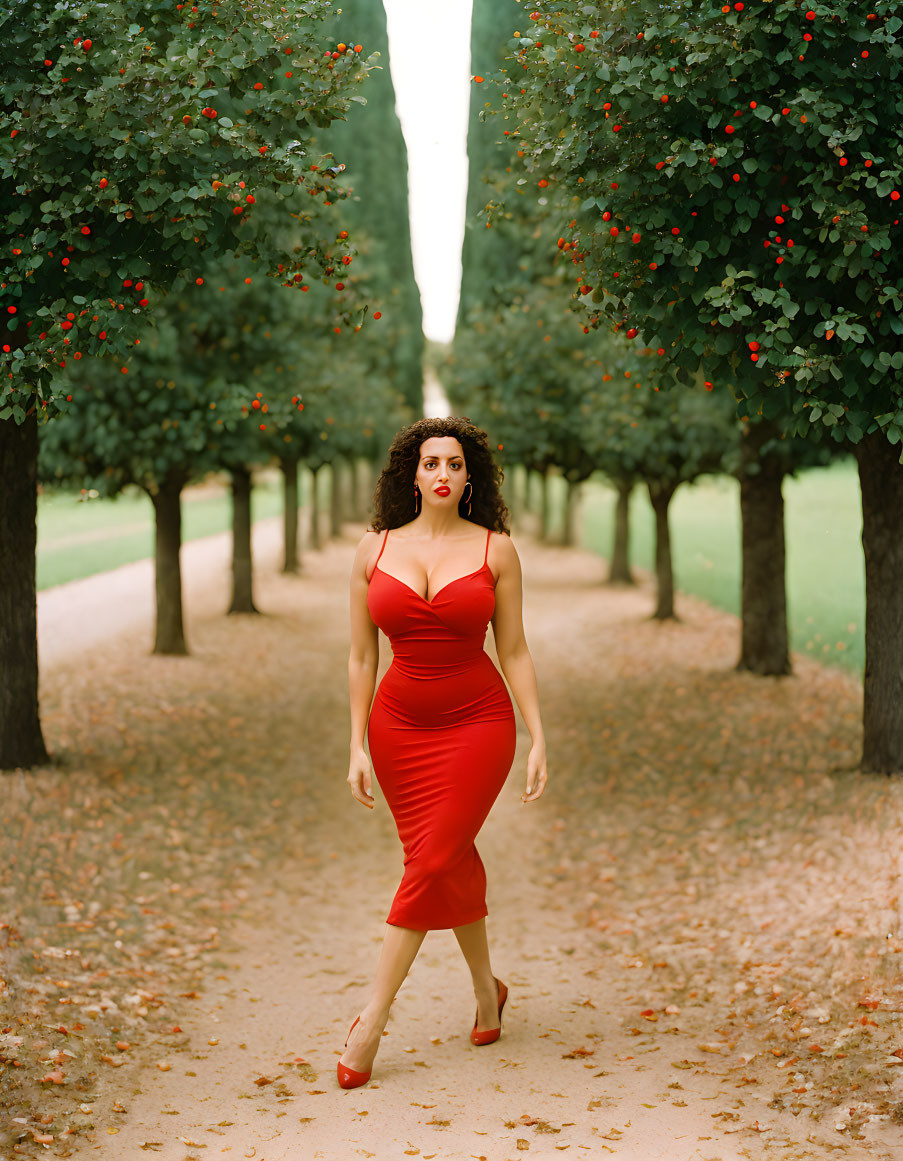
348,1077
490,1034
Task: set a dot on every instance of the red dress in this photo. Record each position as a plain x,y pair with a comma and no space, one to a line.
442,737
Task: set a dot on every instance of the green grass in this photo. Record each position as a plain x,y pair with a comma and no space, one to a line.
78,538
825,570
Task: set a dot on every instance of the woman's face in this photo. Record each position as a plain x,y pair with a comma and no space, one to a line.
442,472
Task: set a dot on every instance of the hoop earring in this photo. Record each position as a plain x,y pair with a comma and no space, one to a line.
468,485
417,497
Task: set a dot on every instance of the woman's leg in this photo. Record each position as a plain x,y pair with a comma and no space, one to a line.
399,950
475,946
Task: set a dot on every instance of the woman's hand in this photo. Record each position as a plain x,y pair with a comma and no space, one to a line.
536,772
359,776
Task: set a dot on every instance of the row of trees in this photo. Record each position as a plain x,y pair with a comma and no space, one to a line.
711,201
199,277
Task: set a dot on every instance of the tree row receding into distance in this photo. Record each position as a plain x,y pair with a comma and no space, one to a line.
715,190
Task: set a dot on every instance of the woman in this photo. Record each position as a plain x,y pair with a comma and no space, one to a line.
441,730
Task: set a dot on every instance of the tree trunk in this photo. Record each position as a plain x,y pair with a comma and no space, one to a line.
335,498
242,600
881,480
571,507
21,739
513,494
619,570
764,648
545,504
372,478
660,496
359,498
534,490
349,492
169,634
290,514
315,540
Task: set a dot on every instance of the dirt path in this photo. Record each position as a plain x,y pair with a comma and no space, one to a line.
77,617
698,922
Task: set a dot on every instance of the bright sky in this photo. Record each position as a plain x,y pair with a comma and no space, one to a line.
429,48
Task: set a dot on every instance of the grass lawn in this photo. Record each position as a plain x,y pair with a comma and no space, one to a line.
825,570
78,538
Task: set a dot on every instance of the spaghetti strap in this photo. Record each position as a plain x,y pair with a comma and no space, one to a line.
486,557
385,538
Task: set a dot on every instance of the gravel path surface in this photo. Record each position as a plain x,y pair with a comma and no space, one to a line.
697,922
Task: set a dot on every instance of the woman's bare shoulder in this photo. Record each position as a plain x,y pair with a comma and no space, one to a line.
367,545
504,552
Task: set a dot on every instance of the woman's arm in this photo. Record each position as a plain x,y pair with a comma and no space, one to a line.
363,657
363,663
515,660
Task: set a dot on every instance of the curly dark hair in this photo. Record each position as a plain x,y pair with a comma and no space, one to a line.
393,499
